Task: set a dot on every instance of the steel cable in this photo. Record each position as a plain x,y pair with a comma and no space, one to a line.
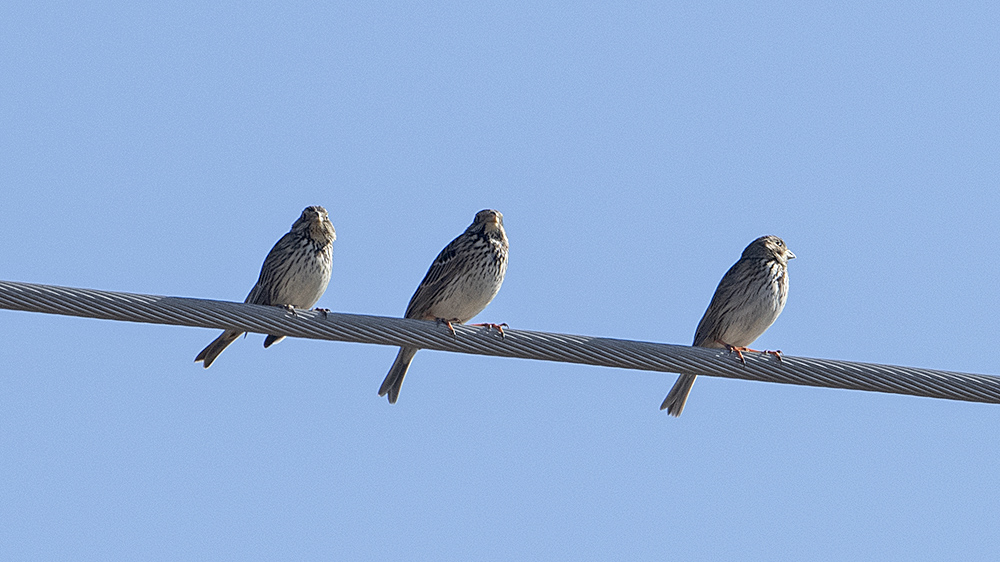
523,344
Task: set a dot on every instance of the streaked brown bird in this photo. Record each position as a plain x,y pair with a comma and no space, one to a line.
294,275
463,279
747,301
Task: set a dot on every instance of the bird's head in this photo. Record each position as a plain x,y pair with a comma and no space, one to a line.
489,220
317,220
769,247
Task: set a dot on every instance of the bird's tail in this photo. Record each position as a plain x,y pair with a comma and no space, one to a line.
678,395
213,350
394,380
271,340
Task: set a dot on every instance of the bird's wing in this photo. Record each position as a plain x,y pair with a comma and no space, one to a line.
442,272
732,293
275,266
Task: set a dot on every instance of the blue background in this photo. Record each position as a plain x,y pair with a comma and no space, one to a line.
634,149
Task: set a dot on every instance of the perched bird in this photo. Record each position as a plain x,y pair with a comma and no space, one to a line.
463,279
294,275
747,301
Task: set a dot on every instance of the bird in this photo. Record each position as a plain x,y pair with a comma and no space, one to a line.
294,275
463,279
747,301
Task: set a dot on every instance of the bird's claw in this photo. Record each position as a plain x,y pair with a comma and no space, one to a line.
739,352
450,327
498,327
325,311
776,353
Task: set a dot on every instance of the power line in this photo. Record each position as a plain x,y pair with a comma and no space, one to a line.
523,344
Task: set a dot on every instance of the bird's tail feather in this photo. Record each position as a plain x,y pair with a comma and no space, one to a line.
394,380
213,350
678,395
271,340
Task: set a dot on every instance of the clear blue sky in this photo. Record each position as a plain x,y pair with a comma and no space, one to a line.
634,151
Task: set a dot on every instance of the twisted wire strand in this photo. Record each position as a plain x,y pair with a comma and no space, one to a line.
523,344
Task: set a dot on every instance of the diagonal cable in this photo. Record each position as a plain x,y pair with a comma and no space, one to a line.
523,344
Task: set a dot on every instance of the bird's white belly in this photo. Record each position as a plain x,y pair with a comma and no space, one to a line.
755,318
466,298
303,288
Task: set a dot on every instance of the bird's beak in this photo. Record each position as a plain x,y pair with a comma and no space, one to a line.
791,256
493,223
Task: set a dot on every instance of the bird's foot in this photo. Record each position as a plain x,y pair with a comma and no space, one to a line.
739,352
325,311
776,353
497,327
450,327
